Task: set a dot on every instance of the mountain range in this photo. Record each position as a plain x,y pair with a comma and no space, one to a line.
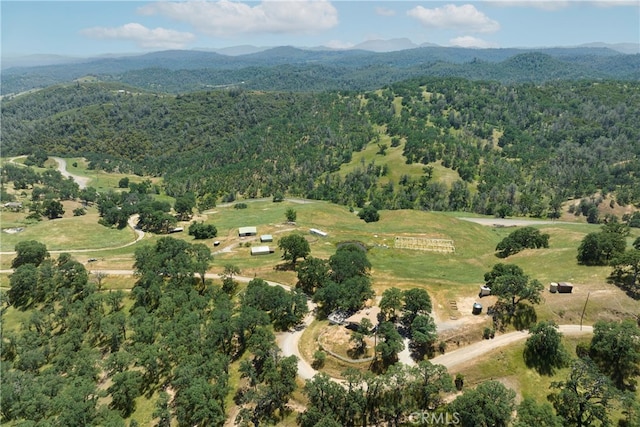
366,66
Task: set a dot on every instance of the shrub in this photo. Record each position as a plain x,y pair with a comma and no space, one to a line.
200,230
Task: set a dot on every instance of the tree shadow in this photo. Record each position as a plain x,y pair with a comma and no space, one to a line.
287,266
524,317
626,282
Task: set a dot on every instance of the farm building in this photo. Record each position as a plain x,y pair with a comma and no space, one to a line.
565,288
266,238
247,231
318,232
261,250
484,291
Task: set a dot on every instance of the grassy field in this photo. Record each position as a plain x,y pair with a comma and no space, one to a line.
447,277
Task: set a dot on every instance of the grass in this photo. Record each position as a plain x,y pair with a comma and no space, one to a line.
66,233
447,277
507,366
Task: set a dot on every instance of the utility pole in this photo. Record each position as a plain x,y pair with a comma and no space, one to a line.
584,309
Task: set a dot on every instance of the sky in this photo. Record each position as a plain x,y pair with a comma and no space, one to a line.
92,28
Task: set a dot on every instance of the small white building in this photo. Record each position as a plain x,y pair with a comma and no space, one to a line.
318,232
261,250
247,231
266,238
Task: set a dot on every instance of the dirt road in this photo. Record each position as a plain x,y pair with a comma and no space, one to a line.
473,351
82,181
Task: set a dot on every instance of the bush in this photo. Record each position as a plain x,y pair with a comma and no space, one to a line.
79,212
240,206
200,230
369,214
523,238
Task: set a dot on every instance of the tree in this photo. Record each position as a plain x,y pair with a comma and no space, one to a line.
23,282
52,209
201,259
530,413
615,348
29,252
184,206
350,260
522,238
124,389
291,215
369,214
512,286
313,273
200,230
423,334
228,284
416,301
389,343
124,182
583,398
600,248
544,350
88,195
294,246
391,303
489,404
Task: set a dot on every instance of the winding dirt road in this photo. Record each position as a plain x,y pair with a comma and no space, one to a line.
82,181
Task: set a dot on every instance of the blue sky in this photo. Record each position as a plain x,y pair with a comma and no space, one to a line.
89,28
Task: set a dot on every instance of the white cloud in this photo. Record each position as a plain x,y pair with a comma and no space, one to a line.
227,18
536,4
614,3
552,5
383,11
469,41
464,18
157,38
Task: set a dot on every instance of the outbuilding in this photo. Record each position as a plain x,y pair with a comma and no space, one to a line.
266,238
318,232
565,288
477,308
247,231
261,250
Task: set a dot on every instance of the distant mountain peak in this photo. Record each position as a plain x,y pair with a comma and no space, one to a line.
390,45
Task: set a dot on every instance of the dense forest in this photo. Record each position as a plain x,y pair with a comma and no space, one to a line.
518,149
292,69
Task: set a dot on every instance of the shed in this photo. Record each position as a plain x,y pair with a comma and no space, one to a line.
484,291
247,231
261,250
565,288
318,232
176,230
266,238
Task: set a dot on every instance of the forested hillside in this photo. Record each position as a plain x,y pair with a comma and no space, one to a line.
517,148
292,69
